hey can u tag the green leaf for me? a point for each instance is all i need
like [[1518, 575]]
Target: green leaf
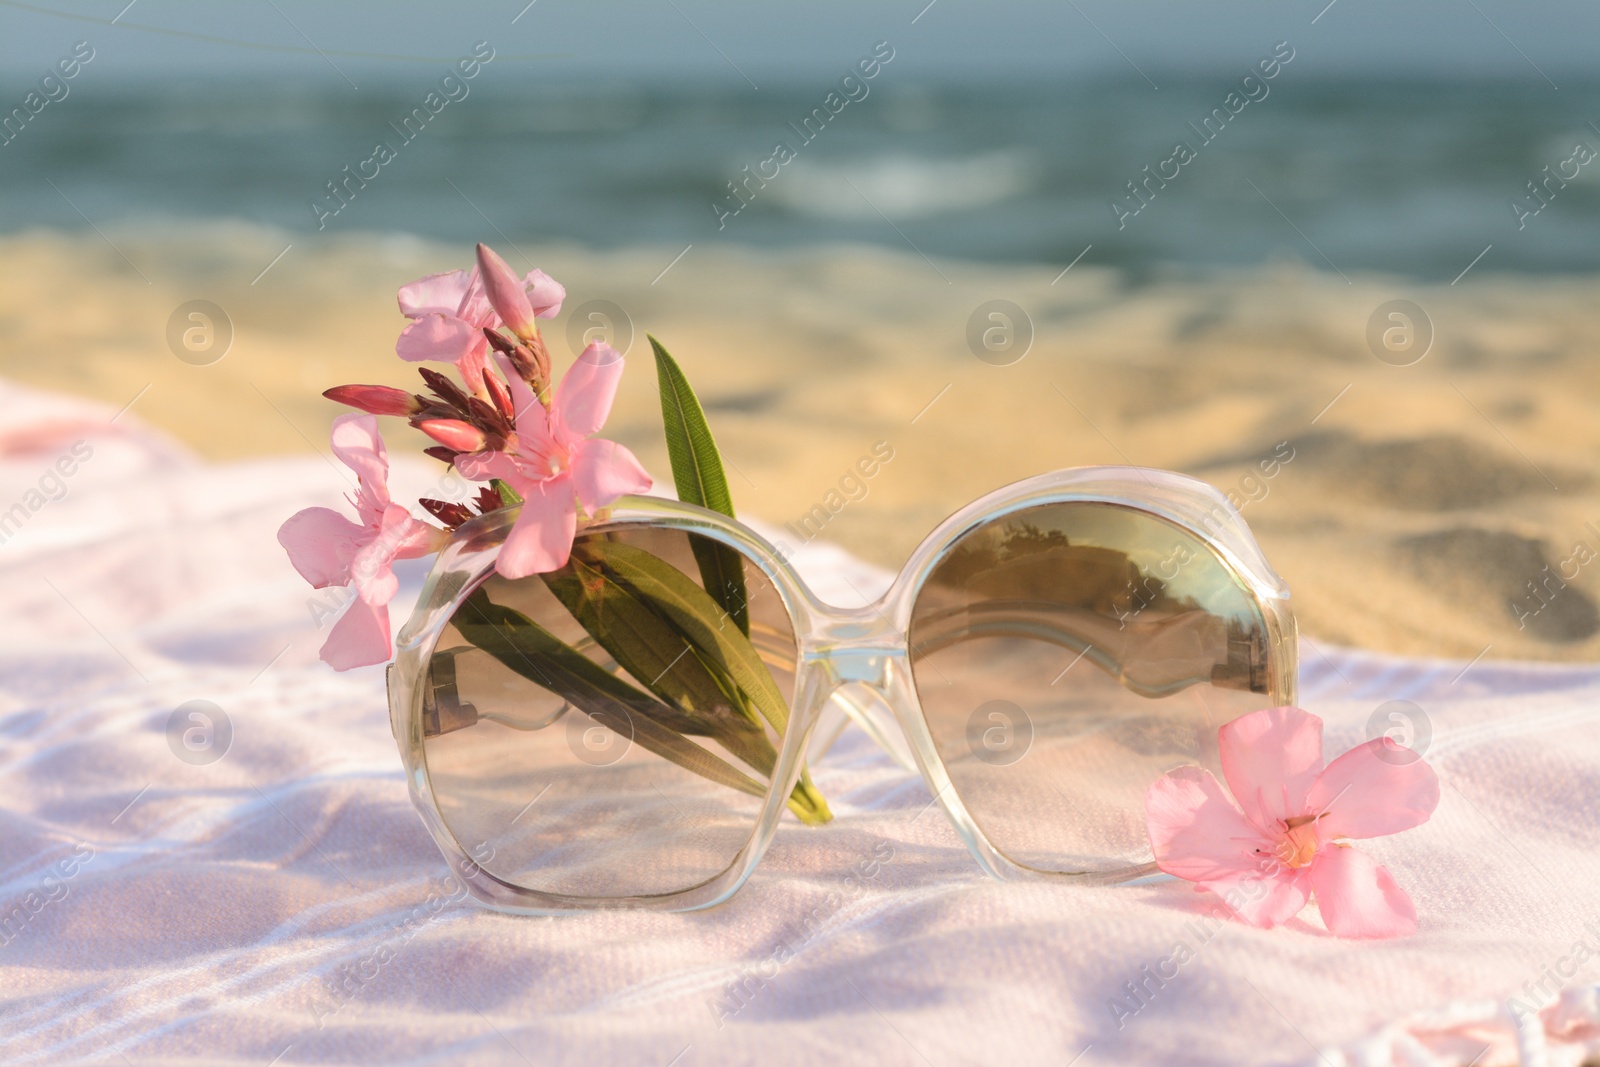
[[647, 645], [696, 466], [697, 473], [538, 655], [635, 595], [508, 496], [692, 611]]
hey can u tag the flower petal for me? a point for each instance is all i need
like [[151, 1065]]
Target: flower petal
[[360, 638], [541, 539], [437, 294], [399, 536], [409, 536], [441, 337], [1270, 758], [472, 364], [370, 574], [1265, 899], [531, 419], [1197, 833], [1358, 897], [359, 446], [583, 399], [475, 307], [481, 466], [604, 470], [544, 293], [321, 543], [1376, 788]]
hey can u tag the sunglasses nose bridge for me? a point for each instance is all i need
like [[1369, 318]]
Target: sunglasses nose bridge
[[869, 667], [858, 666], [856, 646]]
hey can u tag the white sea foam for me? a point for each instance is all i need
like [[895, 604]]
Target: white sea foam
[[905, 186]]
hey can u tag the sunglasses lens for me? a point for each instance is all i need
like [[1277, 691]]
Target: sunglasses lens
[[1068, 655], [584, 736]]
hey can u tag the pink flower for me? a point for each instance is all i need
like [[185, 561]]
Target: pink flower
[[328, 549], [1286, 838], [555, 465], [449, 313], [519, 301]]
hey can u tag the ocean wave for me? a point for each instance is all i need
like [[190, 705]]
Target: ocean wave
[[904, 186]]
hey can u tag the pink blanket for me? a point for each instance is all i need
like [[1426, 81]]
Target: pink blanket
[[252, 886]]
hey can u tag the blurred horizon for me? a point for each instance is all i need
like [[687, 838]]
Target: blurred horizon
[[1390, 141]]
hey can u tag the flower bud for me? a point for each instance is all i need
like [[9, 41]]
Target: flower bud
[[452, 515], [489, 499], [487, 415], [541, 360], [507, 293], [446, 390], [501, 397], [453, 433], [497, 342], [376, 399]]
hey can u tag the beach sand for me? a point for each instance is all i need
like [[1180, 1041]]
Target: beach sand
[[1419, 504]]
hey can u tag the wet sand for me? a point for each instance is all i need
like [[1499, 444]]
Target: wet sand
[[1440, 508]]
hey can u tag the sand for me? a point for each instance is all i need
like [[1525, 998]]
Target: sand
[[1417, 512]]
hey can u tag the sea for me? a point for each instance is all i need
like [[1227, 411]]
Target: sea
[[1417, 178]]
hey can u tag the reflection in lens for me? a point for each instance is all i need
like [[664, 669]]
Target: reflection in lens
[[582, 739], [1121, 641]]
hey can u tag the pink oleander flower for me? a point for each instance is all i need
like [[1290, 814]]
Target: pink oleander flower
[[555, 465], [1284, 836], [449, 313], [330, 550], [519, 301]]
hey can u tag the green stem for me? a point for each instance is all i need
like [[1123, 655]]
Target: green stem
[[808, 803]]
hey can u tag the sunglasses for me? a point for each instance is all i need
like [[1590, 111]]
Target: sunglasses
[[629, 731]]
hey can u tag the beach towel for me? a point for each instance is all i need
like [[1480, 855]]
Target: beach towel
[[207, 853]]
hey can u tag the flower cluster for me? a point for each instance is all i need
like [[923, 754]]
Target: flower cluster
[[505, 423]]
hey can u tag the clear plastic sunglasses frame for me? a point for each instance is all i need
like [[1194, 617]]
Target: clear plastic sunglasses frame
[[836, 646]]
